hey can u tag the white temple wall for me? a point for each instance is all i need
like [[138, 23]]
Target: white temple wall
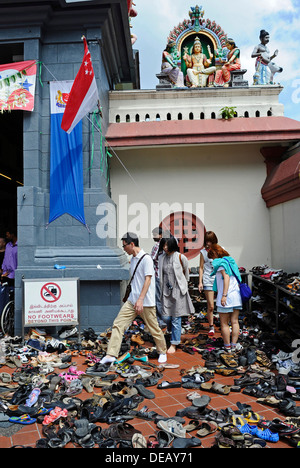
[[226, 179]]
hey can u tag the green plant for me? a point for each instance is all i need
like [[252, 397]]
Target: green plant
[[228, 113]]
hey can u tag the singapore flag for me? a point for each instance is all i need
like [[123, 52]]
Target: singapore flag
[[83, 96]]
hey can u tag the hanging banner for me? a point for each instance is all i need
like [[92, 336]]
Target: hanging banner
[[66, 162], [17, 86]]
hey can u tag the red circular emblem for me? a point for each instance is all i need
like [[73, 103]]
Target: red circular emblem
[[188, 229]]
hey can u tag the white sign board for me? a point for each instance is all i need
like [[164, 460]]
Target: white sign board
[[51, 302]]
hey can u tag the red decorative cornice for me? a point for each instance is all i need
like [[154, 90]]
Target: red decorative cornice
[[283, 182], [210, 131]]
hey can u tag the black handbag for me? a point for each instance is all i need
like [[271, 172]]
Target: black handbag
[[127, 293], [128, 289]]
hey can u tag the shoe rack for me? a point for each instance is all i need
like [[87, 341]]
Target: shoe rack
[[279, 309]]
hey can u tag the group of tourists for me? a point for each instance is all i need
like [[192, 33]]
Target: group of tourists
[[159, 292]]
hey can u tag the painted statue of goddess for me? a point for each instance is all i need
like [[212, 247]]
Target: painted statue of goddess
[[170, 68], [198, 65], [233, 62]]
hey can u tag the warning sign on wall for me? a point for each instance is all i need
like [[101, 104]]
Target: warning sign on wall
[[51, 302]]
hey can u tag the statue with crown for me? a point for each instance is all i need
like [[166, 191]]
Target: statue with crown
[[200, 55]]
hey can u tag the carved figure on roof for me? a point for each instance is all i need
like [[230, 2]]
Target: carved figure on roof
[[198, 65], [233, 62], [169, 65], [196, 14], [204, 55], [264, 67]]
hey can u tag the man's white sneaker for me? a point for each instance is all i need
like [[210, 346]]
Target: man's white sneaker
[[162, 358]]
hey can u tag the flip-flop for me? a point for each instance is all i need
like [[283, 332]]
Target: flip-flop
[[192, 426], [139, 441], [170, 366], [145, 392], [25, 419], [33, 397], [220, 389], [269, 400], [166, 384], [206, 428]]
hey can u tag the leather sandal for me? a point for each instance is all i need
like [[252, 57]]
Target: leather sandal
[[124, 431]]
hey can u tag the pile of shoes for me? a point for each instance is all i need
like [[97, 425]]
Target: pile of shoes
[[289, 281], [44, 386]]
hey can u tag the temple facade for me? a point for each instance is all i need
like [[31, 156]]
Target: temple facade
[[220, 155], [205, 150]]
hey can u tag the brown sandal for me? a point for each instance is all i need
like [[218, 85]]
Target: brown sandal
[[122, 431]]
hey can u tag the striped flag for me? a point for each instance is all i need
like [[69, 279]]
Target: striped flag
[[83, 96]]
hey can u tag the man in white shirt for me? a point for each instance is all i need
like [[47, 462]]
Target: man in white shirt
[[141, 301]]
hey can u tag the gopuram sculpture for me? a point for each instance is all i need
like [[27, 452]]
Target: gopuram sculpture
[[200, 55], [265, 68], [199, 67]]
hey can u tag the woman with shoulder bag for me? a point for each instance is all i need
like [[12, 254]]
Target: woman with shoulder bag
[[229, 301], [175, 298]]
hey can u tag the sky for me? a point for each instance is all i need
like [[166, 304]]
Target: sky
[[242, 21]]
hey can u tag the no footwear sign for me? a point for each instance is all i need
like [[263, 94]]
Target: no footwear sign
[[51, 302], [51, 292]]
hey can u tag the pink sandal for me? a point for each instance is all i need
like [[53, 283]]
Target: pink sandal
[[55, 414], [73, 374]]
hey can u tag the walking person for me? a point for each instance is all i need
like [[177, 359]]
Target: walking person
[[206, 281], [141, 301], [155, 253], [229, 302], [176, 301]]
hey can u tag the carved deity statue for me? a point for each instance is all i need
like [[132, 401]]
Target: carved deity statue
[[169, 66], [233, 62], [198, 65], [265, 68]]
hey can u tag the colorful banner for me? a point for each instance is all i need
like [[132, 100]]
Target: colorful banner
[[17, 86], [66, 165]]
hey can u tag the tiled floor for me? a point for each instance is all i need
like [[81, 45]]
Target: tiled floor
[[166, 402]]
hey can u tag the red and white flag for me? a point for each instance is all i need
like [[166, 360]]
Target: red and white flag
[[17, 86], [83, 96]]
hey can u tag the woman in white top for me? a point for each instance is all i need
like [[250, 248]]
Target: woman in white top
[[206, 281], [229, 301]]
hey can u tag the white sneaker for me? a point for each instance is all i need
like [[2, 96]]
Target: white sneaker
[[162, 358], [65, 334]]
